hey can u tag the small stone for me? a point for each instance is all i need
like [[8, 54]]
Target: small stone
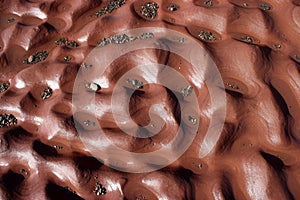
[[136, 84], [149, 9], [186, 91], [232, 86], [277, 46], [146, 36], [30, 59], [7, 120], [10, 20], [86, 65], [265, 6], [181, 39], [104, 42], [47, 93], [24, 171], [247, 39], [132, 38], [67, 58], [208, 3], [89, 123], [100, 12], [72, 44], [99, 189], [36, 57], [297, 57], [4, 87], [245, 4], [173, 7], [193, 120], [61, 41], [93, 86], [200, 166], [70, 190], [206, 35], [58, 147]]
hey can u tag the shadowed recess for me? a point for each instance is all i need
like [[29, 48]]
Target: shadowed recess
[[55, 192], [49, 27], [12, 181], [236, 95], [88, 163], [44, 150], [17, 134], [266, 52], [279, 167], [280, 102], [273, 161], [226, 188], [176, 104], [228, 136]]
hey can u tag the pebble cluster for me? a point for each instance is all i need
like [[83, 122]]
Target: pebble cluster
[[7, 120]]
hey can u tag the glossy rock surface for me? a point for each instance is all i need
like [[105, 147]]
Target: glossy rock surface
[[255, 46]]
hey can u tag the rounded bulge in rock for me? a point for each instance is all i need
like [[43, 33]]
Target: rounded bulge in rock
[[136, 191], [172, 12], [293, 180], [154, 186], [191, 158], [249, 132], [288, 89], [64, 107], [8, 19], [266, 26], [245, 161], [152, 117], [67, 79], [16, 53], [249, 26], [254, 172], [187, 80], [102, 136], [105, 185], [210, 187], [203, 25], [29, 20], [240, 68], [285, 79], [283, 13], [154, 120], [61, 19]]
